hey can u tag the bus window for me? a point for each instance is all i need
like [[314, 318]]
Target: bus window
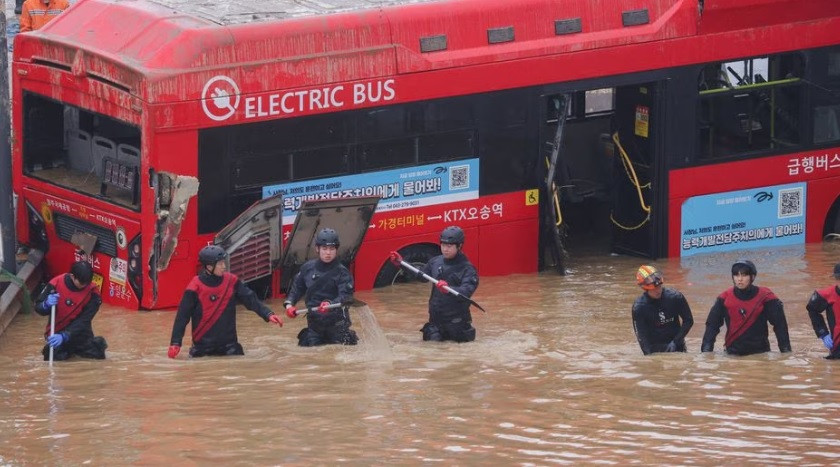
[[387, 154], [599, 101], [825, 95], [446, 146], [750, 106], [81, 150]]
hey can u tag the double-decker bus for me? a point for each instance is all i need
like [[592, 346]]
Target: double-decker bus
[[145, 129]]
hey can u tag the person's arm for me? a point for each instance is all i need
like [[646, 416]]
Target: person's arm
[[776, 316], [640, 327], [185, 311], [41, 306], [297, 289], [25, 18], [247, 297], [713, 323], [816, 305], [345, 285], [83, 321], [469, 282], [684, 311]]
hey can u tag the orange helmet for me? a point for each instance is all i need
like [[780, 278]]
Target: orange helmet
[[648, 277]]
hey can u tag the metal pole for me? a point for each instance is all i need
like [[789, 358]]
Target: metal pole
[[7, 216]]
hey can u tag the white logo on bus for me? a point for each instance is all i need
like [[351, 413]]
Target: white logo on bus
[[224, 95]]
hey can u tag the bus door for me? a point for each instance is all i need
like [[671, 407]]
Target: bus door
[[637, 160], [553, 236], [349, 217]]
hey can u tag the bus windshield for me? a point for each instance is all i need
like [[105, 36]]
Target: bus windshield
[[81, 150]]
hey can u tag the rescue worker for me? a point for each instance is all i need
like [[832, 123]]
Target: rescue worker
[[36, 13], [746, 309], [828, 300], [210, 303], [661, 315], [449, 316], [76, 303], [320, 283]]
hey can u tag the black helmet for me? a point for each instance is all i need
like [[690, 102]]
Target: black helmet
[[327, 237], [211, 254], [743, 264], [82, 271], [452, 235]]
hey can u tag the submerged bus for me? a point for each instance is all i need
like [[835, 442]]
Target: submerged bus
[[146, 129]]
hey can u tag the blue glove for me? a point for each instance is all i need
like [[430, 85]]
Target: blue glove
[[671, 347], [56, 339], [51, 300], [827, 342]]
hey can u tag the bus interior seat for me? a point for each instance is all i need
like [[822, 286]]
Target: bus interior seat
[[127, 153], [102, 148], [826, 124], [80, 153]]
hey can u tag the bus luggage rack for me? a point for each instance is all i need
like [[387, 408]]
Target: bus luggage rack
[[66, 226], [252, 260]]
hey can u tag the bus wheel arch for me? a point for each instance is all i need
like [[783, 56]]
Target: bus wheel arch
[[832, 220], [417, 254]]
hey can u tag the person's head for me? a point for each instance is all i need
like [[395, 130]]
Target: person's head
[[743, 273], [326, 242], [451, 240], [650, 280], [212, 258], [837, 271], [81, 273]]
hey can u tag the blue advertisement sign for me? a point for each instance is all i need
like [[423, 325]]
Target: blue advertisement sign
[[408, 187], [754, 218]]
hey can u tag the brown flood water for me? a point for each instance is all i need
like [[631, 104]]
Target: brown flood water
[[555, 377]]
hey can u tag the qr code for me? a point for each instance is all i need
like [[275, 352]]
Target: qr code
[[459, 177], [790, 202]]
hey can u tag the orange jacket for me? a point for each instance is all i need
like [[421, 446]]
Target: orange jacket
[[36, 13]]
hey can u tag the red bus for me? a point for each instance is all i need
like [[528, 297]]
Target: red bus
[[145, 129]]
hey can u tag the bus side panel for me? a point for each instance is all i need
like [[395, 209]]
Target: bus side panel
[[821, 196], [509, 248]]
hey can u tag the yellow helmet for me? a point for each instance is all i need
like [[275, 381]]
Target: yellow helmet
[[648, 277]]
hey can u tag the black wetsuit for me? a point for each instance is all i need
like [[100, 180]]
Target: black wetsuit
[[219, 338], [827, 300], [79, 332], [319, 282], [449, 316], [749, 338], [658, 322]]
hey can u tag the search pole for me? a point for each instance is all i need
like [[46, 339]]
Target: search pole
[[7, 212]]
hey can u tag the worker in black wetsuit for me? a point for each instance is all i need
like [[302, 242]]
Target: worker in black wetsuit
[[827, 300], [746, 309], [661, 315], [449, 316], [76, 301], [320, 283], [210, 303]]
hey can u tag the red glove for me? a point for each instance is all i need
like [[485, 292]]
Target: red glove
[[396, 259], [322, 308], [276, 320], [291, 311], [174, 350], [440, 286]]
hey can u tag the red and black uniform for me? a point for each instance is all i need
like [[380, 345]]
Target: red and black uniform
[[74, 314], [210, 303], [828, 300], [658, 322], [746, 314], [449, 316]]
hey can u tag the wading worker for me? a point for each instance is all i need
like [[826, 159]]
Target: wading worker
[[449, 316], [320, 283], [746, 309], [37, 13], [76, 303], [661, 315], [827, 300], [210, 303]]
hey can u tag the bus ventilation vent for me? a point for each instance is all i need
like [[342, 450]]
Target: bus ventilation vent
[[499, 35], [52, 64], [66, 226], [252, 260], [567, 26], [433, 43], [635, 17]]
